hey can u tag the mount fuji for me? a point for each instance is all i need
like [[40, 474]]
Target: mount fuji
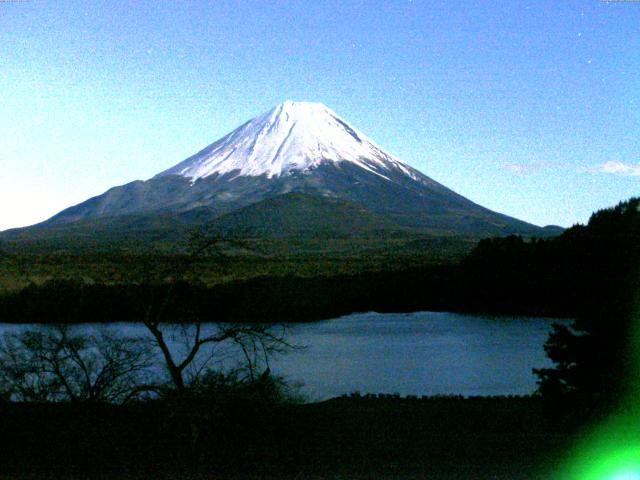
[[298, 169]]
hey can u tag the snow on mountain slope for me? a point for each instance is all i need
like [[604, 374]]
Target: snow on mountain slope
[[293, 136]]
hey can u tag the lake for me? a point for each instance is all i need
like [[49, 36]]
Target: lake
[[420, 353]]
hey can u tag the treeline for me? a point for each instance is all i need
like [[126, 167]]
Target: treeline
[[563, 276], [584, 267], [262, 299], [289, 298], [595, 361]]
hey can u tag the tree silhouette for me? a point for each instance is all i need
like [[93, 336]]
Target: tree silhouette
[[53, 364], [594, 359], [255, 342]]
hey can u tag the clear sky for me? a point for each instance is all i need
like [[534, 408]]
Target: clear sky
[[530, 108]]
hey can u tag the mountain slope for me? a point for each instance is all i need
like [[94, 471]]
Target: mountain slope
[[301, 215], [295, 148]]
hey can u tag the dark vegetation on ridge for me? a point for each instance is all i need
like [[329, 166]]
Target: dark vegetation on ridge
[[596, 360], [558, 276]]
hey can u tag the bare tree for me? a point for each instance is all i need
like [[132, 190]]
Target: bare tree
[[53, 364], [246, 348], [200, 350]]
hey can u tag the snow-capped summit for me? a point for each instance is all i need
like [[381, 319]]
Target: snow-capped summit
[[293, 136]]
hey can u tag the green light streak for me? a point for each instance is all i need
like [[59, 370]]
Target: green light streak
[[611, 451], [626, 475], [610, 463]]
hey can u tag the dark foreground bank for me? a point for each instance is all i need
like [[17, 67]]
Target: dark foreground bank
[[356, 437]]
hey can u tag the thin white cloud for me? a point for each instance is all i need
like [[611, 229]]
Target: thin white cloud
[[620, 168], [518, 168], [528, 168]]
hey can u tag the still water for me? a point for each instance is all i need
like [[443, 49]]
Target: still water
[[421, 353]]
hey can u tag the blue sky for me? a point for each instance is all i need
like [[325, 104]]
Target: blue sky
[[528, 108]]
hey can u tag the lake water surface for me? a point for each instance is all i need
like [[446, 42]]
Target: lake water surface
[[421, 353]]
